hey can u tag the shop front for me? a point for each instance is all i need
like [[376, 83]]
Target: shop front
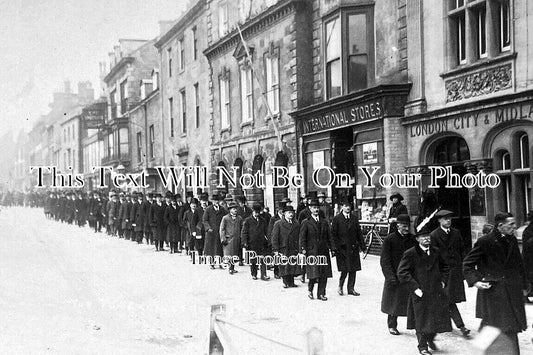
[[481, 138], [340, 137]]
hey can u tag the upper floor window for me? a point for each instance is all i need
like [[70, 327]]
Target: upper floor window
[[171, 115], [247, 94], [181, 55], [139, 147], [223, 82], [478, 29], [123, 96], [222, 19], [194, 44], [169, 58], [272, 81], [183, 100], [113, 102], [152, 140], [196, 106], [349, 58]]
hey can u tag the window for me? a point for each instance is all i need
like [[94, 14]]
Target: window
[[247, 94], [113, 101], [272, 82], [194, 44], [155, 79], [110, 145], [123, 96], [224, 102], [139, 147], [183, 111], [169, 57], [123, 141], [181, 55], [222, 19], [171, 115], [196, 106], [152, 140], [524, 151], [349, 58], [489, 33]]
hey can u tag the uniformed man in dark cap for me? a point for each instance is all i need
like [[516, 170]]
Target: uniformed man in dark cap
[[424, 273], [396, 209], [395, 295], [450, 244]]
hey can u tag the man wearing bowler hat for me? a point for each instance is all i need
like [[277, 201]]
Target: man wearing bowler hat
[[315, 241], [396, 209], [450, 244], [230, 234], [347, 241], [424, 273], [211, 219], [395, 296], [285, 242], [157, 221], [254, 238]]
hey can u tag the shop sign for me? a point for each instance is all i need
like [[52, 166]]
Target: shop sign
[[342, 117], [480, 118]]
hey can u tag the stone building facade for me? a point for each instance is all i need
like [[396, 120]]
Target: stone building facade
[[250, 100]]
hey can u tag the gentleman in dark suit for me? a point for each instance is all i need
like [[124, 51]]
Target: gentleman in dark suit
[[495, 268], [211, 220], [347, 242], [157, 221], [395, 296], [146, 217], [396, 209], [315, 241], [424, 273], [450, 243], [253, 235], [137, 218], [527, 251], [285, 242]]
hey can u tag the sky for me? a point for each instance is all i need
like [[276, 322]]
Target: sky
[[47, 42]]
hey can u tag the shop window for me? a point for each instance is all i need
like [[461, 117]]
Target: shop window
[[348, 43], [478, 29]]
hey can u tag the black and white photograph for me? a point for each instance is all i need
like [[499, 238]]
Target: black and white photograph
[[223, 177]]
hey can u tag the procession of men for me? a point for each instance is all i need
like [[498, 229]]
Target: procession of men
[[424, 268]]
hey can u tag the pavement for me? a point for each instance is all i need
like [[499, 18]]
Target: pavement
[[66, 290]]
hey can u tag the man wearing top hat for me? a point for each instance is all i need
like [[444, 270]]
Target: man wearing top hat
[[450, 244], [211, 220], [347, 241], [147, 204], [254, 238], [172, 223], [230, 234], [285, 242], [395, 295], [136, 218], [494, 266], [424, 273], [96, 212], [396, 209], [169, 196], [315, 241], [193, 220], [81, 210], [157, 221]]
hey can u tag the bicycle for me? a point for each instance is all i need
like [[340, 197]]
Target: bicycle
[[372, 236]]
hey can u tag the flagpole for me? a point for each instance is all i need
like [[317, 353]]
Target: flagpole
[[263, 91]]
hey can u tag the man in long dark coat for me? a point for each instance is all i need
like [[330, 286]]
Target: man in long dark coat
[[81, 210], [395, 295], [157, 221], [425, 273], [527, 251], [112, 214], [450, 244], [137, 218], [276, 217], [97, 212], [211, 219], [230, 234], [193, 218], [147, 229], [70, 208], [125, 213], [253, 235], [396, 209], [347, 242], [172, 221], [495, 268], [315, 241], [285, 242]]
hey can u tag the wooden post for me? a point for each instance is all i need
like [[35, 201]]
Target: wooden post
[[215, 346], [314, 342]]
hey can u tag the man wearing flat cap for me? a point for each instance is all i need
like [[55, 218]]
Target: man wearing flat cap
[[450, 244], [395, 296], [211, 219], [315, 241], [396, 209], [347, 241], [424, 273]]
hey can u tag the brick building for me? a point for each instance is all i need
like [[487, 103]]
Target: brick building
[[250, 100], [360, 87], [184, 90]]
